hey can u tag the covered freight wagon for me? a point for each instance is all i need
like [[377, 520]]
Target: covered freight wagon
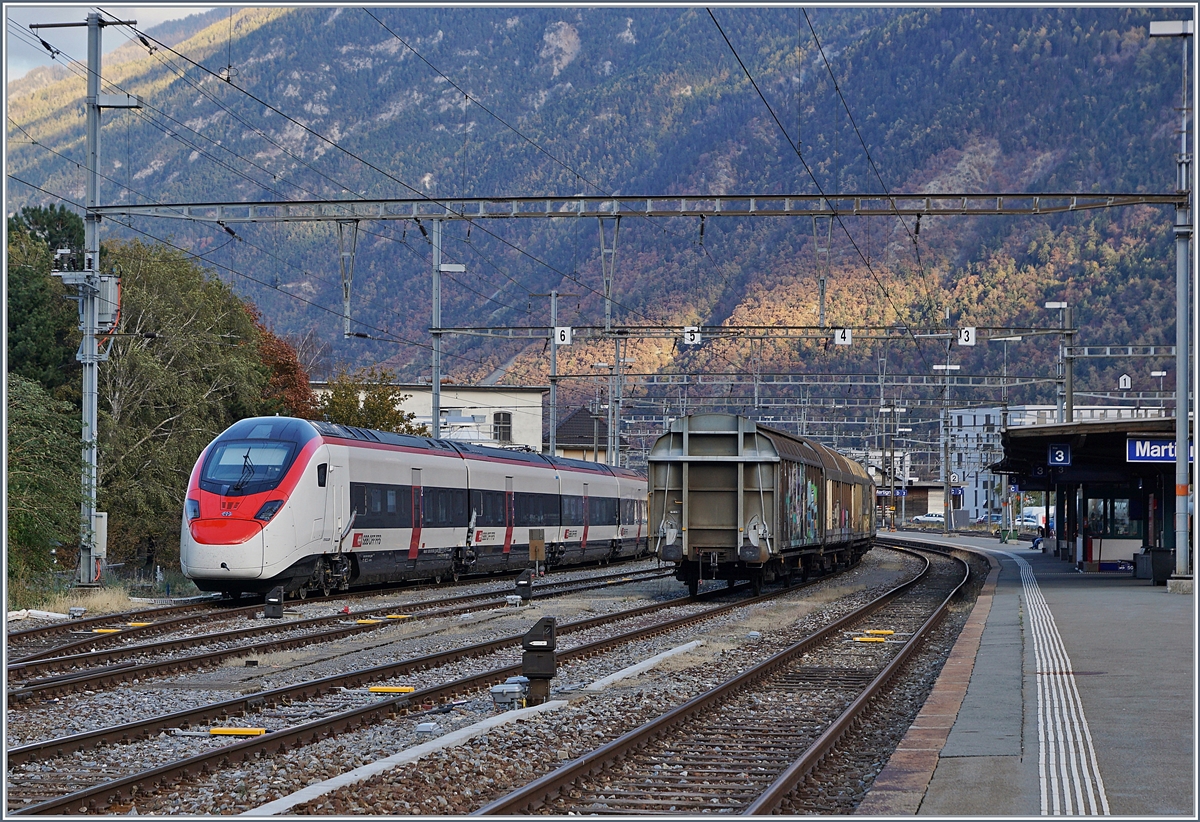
[[730, 499]]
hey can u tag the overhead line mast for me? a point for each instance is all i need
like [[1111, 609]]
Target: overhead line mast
[[97, 298]]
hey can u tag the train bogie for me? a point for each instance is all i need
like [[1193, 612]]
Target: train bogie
[[731, 500], [317, 507]]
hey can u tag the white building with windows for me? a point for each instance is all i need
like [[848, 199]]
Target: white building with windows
[[503, 416], [975, 444]]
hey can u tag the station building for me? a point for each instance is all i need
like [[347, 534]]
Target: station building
[[975, 444], [501, 416], [1111, 487]]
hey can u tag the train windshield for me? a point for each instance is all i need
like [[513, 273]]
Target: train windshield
[[253, 456]]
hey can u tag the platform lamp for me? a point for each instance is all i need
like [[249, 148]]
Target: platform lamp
[[1064, 375], [904, 496], [1162, 401], [1004, 377], [1184, 30], [947, 503]]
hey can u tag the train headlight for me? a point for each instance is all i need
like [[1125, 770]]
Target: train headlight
[[192, 507], [269, 509]]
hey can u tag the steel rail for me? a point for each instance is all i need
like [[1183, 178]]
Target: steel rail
[[110, 676], [530, 797], [236, 707], [98, 797], [127, 631], [770, 799], [57, 663]]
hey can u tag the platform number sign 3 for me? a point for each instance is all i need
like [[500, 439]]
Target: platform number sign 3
[[1059, 454], [562, 334], [842, 336], [966, 335]]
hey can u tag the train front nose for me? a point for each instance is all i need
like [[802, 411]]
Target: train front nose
[[220, 548]]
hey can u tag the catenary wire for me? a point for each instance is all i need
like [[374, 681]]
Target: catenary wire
[[883, 289], [383, 172]]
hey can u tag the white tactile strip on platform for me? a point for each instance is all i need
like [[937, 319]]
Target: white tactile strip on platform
[[1067, 767]]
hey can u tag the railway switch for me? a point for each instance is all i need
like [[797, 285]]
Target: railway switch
[[510, 694], [273, 606]]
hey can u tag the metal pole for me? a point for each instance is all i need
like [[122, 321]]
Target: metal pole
[[892, 470], [89, 354], [1183, 29], [553, 373], [946, 506], [1069, 366], [435, 426], [610, 447], [1062, 366], [1183, 236]]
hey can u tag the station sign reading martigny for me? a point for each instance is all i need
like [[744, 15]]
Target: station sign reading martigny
[[1140, 449]]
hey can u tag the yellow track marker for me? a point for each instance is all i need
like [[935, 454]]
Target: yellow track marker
[[368, 621], [399, 616], [878, 632], [391, 689], [869, 639], [138, 624], [237, 731], [106, 630]]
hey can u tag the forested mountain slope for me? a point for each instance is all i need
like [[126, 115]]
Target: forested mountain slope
[[488, 102]]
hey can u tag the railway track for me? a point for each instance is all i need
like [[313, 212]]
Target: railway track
[[85, 673], [295, 716], [96, 631], [745, 745]]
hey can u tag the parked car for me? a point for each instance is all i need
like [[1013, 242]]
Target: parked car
[[932, 516], [1026, 521], [993, 519]]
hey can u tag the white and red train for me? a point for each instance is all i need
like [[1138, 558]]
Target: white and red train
[[318, 507]]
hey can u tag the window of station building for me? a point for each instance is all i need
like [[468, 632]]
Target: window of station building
[[1114, 517], [502, 426]]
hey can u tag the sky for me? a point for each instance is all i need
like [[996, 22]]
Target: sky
[[21, 57]]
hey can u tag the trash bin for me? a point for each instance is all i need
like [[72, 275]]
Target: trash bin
[[1142, 569], [1162, 564]]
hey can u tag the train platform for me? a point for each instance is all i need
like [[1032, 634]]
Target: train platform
[[1066, 694]]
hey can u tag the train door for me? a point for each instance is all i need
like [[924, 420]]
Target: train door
[[508, 517], [337, 493], [414, 542]]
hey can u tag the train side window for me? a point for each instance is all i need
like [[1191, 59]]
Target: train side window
[[322, 474]]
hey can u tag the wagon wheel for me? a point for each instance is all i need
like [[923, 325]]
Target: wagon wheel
[[302, 592]]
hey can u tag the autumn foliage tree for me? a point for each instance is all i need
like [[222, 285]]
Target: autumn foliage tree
[[288, 391]]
